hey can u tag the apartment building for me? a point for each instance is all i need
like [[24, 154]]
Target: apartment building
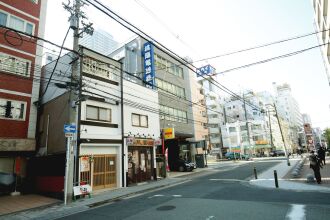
[[288, 109], [215, 112], [146, 64], [322, 24], [20, 63]]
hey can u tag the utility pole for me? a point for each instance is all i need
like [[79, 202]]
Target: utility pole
[[72, 157], [279, 124], [270, 130], [246, 120]]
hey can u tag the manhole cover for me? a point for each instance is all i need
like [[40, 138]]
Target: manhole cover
[[166, 208]]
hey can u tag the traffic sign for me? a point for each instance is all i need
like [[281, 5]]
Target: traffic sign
[[69, 128], [69, 135]]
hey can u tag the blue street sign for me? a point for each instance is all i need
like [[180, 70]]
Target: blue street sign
[[205, 70], [69, 129]]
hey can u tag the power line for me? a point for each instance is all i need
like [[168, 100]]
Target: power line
[[271, 59], [168, 51], [59, 55], [35, 37], [32, 42], [176, 36], [262, 45]]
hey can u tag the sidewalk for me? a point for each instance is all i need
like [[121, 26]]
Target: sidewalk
[[10, 204], [285, 181], [325, 173]]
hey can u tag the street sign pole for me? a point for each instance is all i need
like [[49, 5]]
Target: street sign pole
[[67, 164], [69, 131]]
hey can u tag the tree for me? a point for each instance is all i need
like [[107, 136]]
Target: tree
[[327, 136]]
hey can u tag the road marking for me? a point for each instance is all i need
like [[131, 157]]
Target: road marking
[[157, 195], [177, 195], [210, 217], [230, 180], [296, 212]]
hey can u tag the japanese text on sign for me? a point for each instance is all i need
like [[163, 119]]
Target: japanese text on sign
[[149, 65]]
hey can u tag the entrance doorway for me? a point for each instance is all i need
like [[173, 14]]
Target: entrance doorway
[[139, 164], [104, 171]]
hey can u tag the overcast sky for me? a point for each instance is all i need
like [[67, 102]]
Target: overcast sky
[[203, 29]]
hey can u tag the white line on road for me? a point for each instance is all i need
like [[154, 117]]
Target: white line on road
[[177, 195], [296, 212], [230, 180], [210, 217], [158, 195]]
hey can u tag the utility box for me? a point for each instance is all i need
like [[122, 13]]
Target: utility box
[[200, 160]]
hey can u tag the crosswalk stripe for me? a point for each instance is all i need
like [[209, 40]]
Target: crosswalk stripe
[[296, 212]]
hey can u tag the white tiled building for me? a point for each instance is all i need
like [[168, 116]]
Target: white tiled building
[[322, 22]]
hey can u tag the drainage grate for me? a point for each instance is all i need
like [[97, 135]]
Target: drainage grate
[[166, 208]]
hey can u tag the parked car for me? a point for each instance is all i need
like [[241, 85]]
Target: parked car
[[232, 156], [182, 165], [276, 153]]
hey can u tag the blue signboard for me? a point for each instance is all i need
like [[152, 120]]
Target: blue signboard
[[149, 65], [69, 128], [205, 70]]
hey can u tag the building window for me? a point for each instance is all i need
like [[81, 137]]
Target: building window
[[139, 120], [3, 19], [243, 128], [16, 23], [169, 87], [15, 65], [98, 114], [232, 129], [99, 68], [172, 114], [10, 109], [256, 127], [163, 64]]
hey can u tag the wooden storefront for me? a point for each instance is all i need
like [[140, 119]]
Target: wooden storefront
[[140, 160], [99, 171]]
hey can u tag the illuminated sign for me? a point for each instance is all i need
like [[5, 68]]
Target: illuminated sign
[[205, 70], [168, 133], [261, 142], [149, 65]]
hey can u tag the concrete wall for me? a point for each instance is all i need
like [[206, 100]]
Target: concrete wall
[[146, 98], [58, 112]]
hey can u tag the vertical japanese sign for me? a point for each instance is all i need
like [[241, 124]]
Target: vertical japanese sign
[[149, 65]]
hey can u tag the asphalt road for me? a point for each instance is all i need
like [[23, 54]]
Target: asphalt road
[[222, 193]]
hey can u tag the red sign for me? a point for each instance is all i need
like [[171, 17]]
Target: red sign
[[18, 165]]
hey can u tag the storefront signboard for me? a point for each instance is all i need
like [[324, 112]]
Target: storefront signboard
[[130, 140], [82, 190], [168, 133], [142, 142], [158, 142], [84, 164], [261, 142]]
